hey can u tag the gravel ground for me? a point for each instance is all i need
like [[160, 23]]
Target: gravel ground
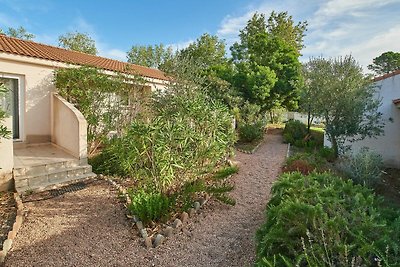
[[8, 212], [88, 227]]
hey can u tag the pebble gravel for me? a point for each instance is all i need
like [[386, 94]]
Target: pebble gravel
[[89, 227]]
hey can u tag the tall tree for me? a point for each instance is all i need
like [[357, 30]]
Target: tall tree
[[77, 41], [385, 63], [208, 51], [20, 33], [268, 55], [282, 25], [157, 56], [345, 98]]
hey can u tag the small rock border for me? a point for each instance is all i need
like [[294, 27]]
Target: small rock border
[[7, 244], [177, 225]]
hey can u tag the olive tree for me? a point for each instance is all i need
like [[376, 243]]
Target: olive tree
[[345, 98]]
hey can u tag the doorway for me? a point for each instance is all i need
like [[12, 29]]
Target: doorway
[[11, 103]]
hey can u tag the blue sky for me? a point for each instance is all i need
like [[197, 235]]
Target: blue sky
[[364, 28]]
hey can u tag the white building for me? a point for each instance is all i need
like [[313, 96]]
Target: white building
[[388, 144]]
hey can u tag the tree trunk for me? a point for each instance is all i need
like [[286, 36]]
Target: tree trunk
[[335, 147]]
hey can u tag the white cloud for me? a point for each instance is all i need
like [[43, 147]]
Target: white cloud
[[180, 45], [113, 53], [364, 28]]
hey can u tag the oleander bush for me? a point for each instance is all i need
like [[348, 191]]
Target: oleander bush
[[249, 132], [175, 147], [324, 220]]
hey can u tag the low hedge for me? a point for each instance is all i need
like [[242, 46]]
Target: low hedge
[[323, 220]]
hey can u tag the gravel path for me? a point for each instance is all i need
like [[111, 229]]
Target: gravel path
[[88, 227]]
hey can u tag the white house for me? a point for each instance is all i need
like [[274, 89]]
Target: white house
[[48, 143], [387, 145]]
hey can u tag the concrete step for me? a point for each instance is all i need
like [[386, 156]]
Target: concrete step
[[47, 167], [52, 185], [50, 174]]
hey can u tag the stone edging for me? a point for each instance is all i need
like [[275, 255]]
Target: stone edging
[[178, 225], [7, 244], [251, 151]]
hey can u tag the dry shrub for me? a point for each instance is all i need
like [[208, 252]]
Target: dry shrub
[[299, 165]]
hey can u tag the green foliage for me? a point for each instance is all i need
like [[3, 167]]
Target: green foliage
[[225, 172], [188, 134], [387, 62], [77, 41], [363, 168], [109, 103], [322, 220], [208, 51], [20, 33], [149, 206], [294, 131], [327, 153], [345, 98], [276, 115], [267, 61], [4, 132], [157, 56], [251, 132]]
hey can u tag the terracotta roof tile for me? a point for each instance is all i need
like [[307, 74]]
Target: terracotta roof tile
[[31, 49], [388, 75]]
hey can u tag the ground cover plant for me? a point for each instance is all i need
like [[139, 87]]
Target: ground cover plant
[[324, 220]]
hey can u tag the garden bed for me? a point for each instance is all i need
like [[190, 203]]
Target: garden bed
[[248, 147], [389, 187], [8, 212]]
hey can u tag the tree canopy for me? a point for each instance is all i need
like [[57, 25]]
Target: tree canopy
[[208, 51], [267, 60], [345, 98], [20, 33], [387, 62], [77, 41], [152, 56]]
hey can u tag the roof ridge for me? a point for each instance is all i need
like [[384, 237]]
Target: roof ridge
[[54, 56], [387, 75]]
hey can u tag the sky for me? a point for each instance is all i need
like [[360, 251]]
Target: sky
[[362, 28]]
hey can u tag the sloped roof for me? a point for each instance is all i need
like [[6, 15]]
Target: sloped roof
[[387, 75], [36, 50]]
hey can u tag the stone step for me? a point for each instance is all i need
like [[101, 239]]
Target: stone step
[[48, 167], [50, 185], [53, 173], [52, 177]]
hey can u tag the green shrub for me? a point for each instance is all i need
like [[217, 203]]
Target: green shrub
[[251, 131], [295, 131], [323, 220], [149, 206], [327, 153], [188, 135], [364, 167]]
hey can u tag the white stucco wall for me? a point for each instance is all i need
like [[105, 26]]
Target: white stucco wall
[[35, 96], [387, 145], [37, 76]]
